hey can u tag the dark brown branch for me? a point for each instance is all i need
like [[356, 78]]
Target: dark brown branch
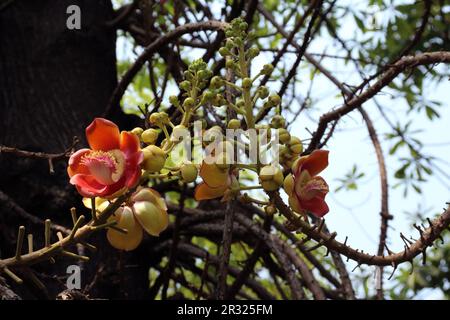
[[150, 50], [385, 215], [227, 238], [357, 101], [302, 50], [296, 290], [429, 235], [50, 157]]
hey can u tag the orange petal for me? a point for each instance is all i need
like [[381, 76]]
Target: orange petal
[[103, 135], [205, 192], [129, 143], [315, 162], [213, 176]]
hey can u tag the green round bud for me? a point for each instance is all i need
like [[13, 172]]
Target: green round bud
[[284, 136], [263, 92], [188, 172], [240, 103], [202, 74], [154, 158], [230, 64], [174, 100], [243, 26], [271, 178], [277, 122], [223, 51], [208, 95], [253, 52], [149, 136], [274, 99], [185, 85], [229, 44], [216, 82], [188, 75], [267, 69], [188, 102], [246, 83], [137, 131], [295, 145], [234, 124]]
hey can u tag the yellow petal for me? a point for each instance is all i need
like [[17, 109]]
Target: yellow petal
[[98, 201], [151, 218], [294, 204], [125, 220], [289, 184]]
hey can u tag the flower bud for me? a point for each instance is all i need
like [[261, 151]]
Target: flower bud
[[263, 92], [149, 136], [125, 220], [288, 184], [216, 82], [230, 64], [223, 51], [188, 103], [234, 124], [137, 131], [150, 211], [246, 83], [277, 122], [253, 52], [159, 119], [243, 26], [174, 100], [185, 85], [188, 172], [271, 178], [240, 103], [154, 158], [208, 95], [274, 99], [295, 145], [203, 74], [267, 69], [284, 136], [188, 75], [229, 44]]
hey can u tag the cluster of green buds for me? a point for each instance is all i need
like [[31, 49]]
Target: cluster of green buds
[[196, 79]]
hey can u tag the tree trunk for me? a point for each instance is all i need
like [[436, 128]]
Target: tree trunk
[[53, 82]]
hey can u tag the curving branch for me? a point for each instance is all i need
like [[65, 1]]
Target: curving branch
[[77, 235], [127, 78], [427, 237], [50, 157], [357, 101]]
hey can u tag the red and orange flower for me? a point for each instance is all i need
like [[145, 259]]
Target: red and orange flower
[[111, 165], [306, 190]]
